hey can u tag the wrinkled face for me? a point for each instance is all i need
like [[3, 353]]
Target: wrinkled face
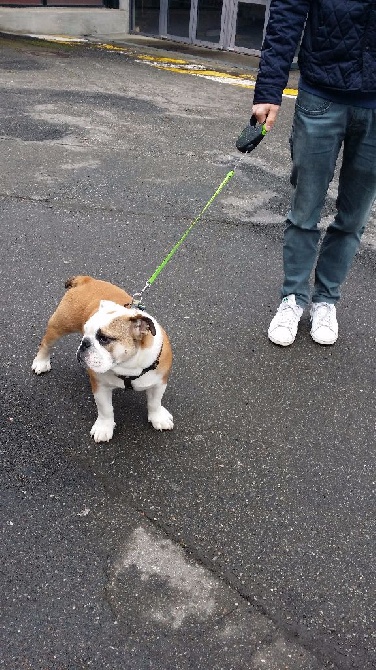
[[112, 336]]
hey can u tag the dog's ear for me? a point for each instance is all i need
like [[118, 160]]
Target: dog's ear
[[142, 325]]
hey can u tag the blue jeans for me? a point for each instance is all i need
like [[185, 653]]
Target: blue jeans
[[320, 128]]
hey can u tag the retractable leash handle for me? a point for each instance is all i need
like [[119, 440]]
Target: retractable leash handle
[[251, 136]]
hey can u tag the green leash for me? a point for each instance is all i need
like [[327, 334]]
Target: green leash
[[247, 141], [136, 300]]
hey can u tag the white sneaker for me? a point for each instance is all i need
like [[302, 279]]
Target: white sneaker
[[284, 325], [324, 329]]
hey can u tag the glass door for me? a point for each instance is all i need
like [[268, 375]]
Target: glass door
[[236, 25], [208, 21], [146, 17], [178, 18], [193, 21], [246, 25], [249, 25]]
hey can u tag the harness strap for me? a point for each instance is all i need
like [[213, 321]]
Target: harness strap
[[128, 379]]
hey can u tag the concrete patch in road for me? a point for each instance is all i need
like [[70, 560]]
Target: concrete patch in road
[[185, 590], [156, 587]]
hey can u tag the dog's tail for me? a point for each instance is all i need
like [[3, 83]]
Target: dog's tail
[[77, 281]]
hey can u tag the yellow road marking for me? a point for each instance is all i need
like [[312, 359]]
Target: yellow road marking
[[176, 65], [241, 80]]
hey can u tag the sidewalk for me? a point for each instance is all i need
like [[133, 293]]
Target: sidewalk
[[223, 61]]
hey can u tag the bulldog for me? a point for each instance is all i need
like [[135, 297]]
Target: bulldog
[[120, 346]]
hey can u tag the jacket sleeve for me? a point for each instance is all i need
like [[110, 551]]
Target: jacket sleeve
[[283, 33]]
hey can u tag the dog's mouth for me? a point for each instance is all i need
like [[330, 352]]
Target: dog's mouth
[[88, 357], [81, 357], [83, 350]]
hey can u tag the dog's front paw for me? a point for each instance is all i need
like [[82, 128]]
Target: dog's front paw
[[102, 430], [41, 365], [161, 419]]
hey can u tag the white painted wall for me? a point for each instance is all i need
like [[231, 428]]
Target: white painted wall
[[75, 22]]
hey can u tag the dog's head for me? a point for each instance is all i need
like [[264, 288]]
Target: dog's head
[[113, 335]]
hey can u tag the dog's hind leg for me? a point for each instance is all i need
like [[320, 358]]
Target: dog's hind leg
[[57, 327]]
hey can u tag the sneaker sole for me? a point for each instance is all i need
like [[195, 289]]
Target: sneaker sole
[[280, 344], [318, 341]]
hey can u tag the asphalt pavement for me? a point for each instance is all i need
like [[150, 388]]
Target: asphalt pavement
[[244, 538]]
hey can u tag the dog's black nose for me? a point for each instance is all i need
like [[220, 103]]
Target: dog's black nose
[[85, 344]]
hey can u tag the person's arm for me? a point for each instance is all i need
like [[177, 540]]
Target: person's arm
[[283, 33]]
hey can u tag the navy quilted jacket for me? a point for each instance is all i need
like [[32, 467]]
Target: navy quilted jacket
[[338, 49]]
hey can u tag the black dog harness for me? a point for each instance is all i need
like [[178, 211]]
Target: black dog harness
[[128, 379]]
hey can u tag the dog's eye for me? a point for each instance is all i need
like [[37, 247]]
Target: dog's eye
[[103, 339]]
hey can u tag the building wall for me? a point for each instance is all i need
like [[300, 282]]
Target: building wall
[[66, 21]]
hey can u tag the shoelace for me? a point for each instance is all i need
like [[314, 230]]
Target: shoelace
[[323, 315], [288, 313]]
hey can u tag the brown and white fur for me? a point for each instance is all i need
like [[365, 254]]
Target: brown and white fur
[[117, 340]]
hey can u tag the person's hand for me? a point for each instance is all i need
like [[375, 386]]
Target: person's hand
[[266, 113]]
